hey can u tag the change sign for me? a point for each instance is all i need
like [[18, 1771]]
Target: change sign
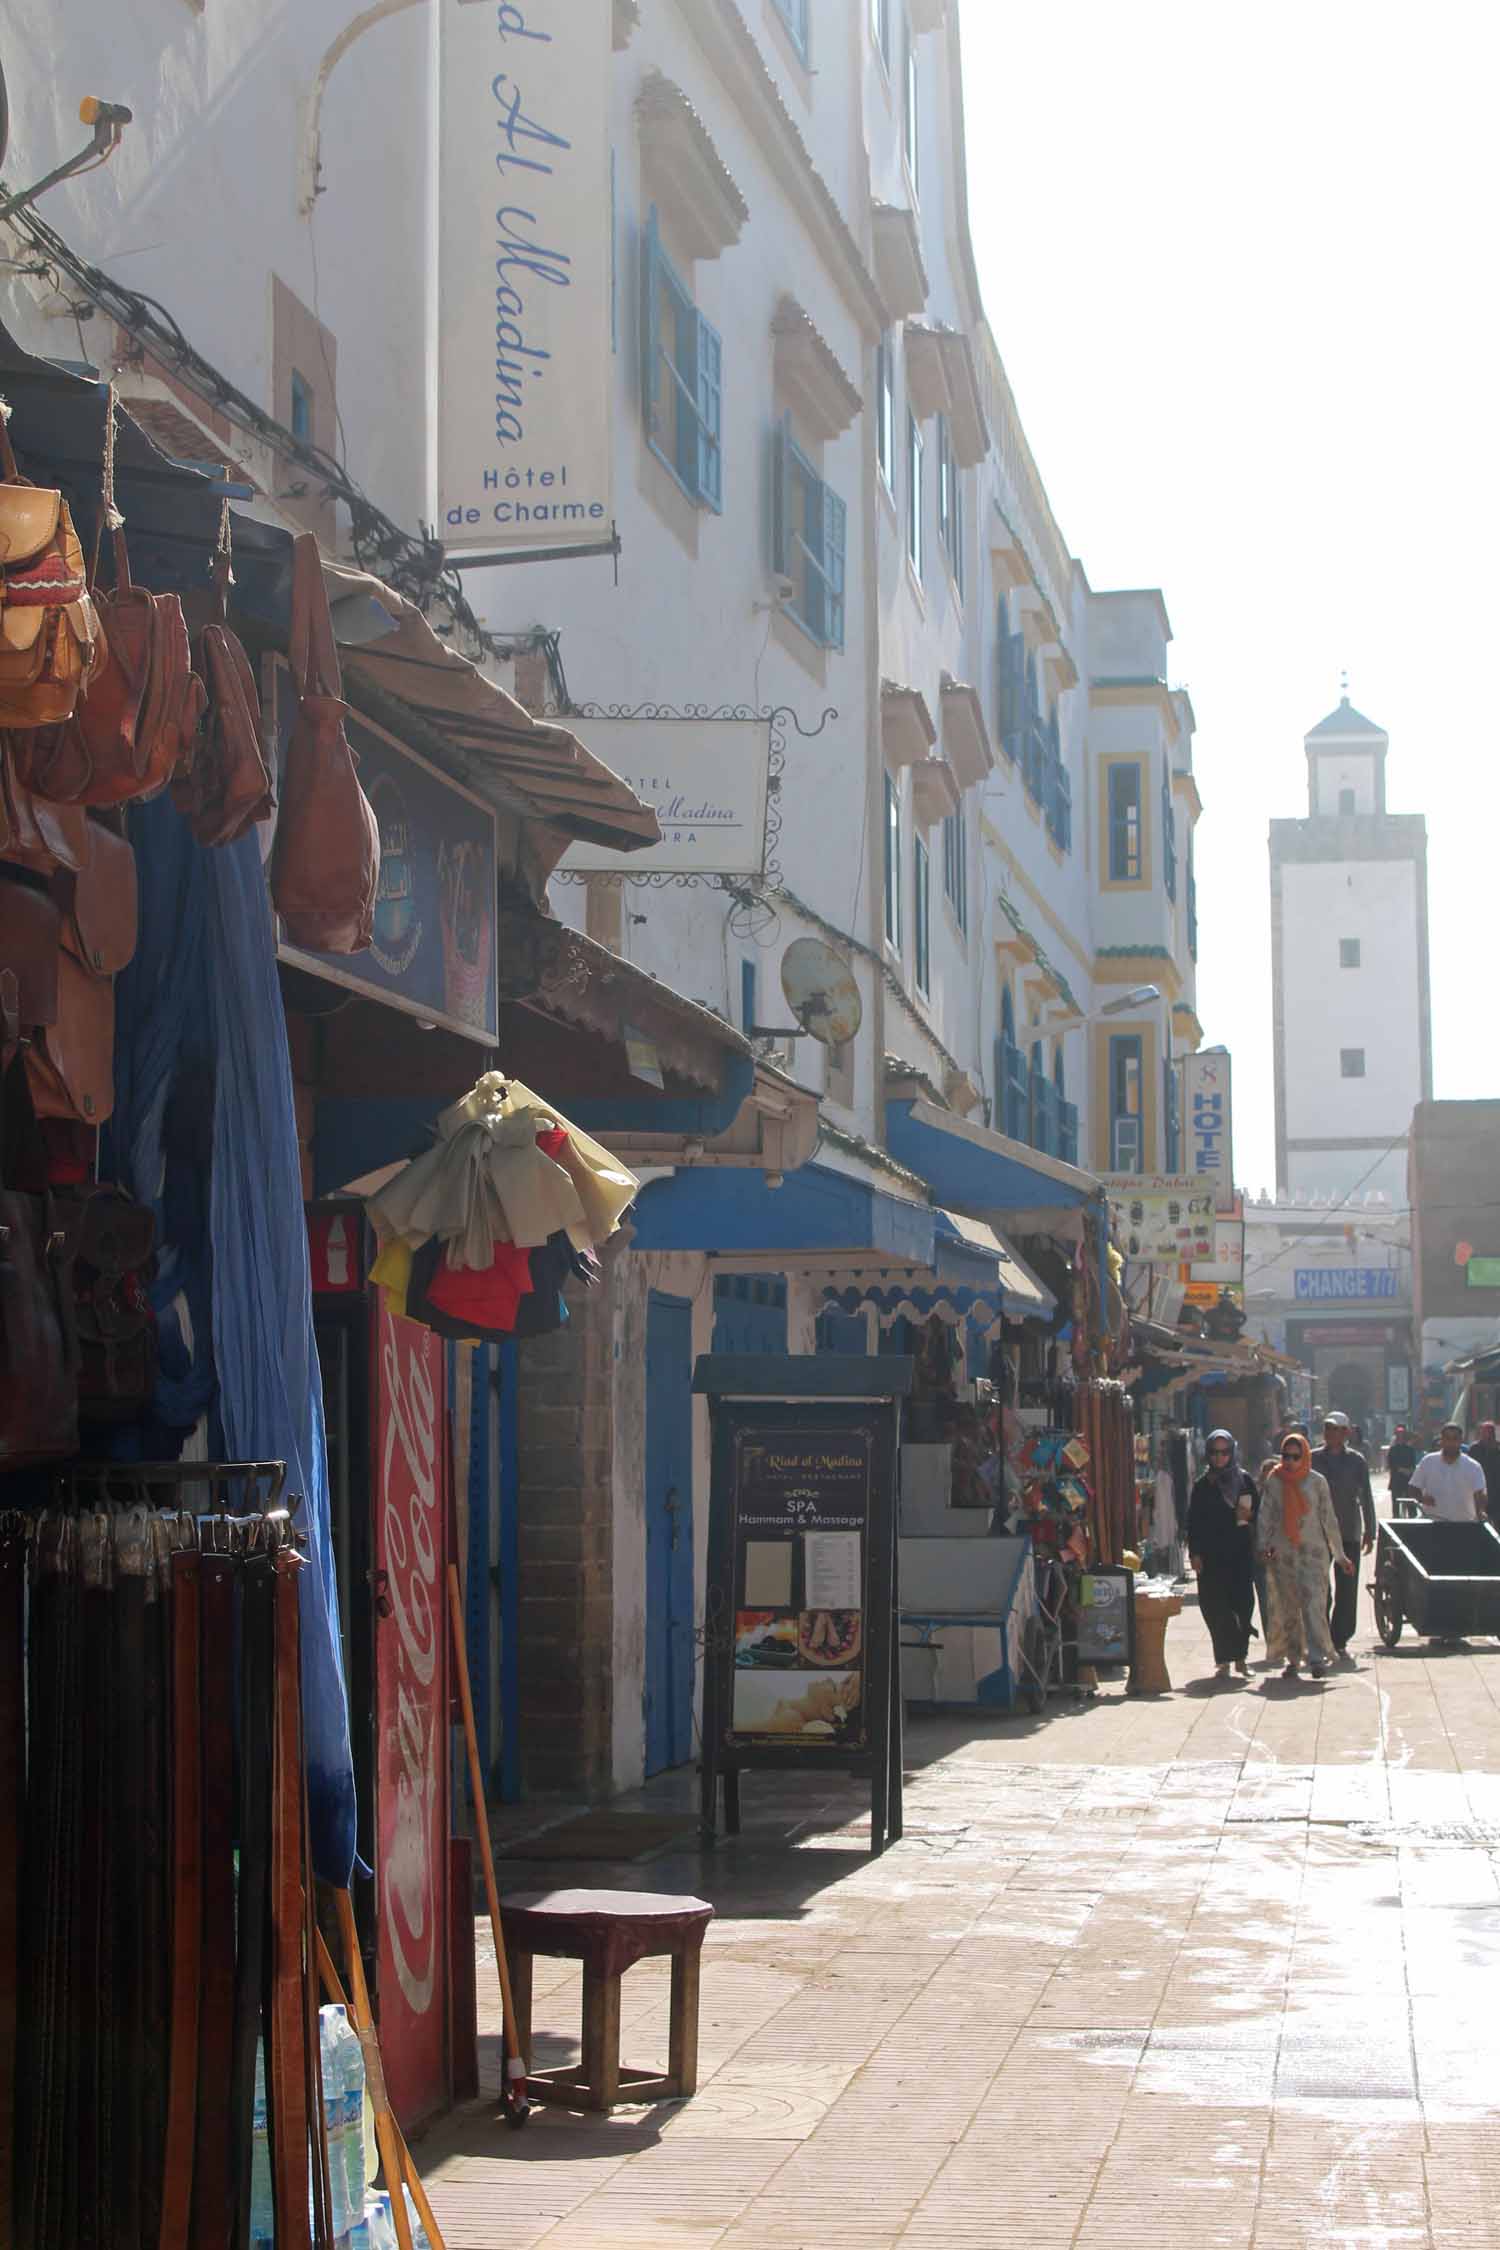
[[524, 362]]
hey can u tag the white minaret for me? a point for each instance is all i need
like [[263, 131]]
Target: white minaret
[[1353, 1013]]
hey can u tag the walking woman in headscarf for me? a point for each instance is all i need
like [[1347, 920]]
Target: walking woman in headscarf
[[1297, 1534], [1221, 1549]]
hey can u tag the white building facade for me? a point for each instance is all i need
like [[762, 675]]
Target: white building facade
[[827, 511]]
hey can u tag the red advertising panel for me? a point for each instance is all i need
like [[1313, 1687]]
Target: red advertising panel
[[411, 1713]]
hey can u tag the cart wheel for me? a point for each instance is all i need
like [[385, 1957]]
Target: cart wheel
[[1388, 1619]]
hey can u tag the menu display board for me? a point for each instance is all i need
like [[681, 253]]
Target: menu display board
[[1106, 1616], [801, 1596]]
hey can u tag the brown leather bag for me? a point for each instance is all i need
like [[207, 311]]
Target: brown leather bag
[[225, 785], [114, 1257], [38, 1343], [175, 697], [50, 639], [94, 759], [30, 942], [71, 1061], [325, 864], [33, 831]]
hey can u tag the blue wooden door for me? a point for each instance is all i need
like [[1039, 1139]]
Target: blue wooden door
[[669, 1531], [749, 1312]]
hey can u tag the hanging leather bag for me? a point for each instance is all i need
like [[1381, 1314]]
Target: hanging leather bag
[[34, 832], [224, 784], [50, 640], [114, 1258], [30, 943], [70, 1063], [325, 864], [38, 1342]]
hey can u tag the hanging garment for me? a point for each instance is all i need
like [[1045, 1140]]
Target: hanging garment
[[486, 1180], [462, 1301]]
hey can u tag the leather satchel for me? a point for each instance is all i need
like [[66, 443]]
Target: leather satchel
[[30, 941], [114, 1257], [325, 864], [34, 832], [71, 1061], [98, 758], [50, 638], [38, 1342], [225, 785]]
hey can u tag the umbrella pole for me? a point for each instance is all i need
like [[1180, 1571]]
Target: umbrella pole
[[515, 2059]]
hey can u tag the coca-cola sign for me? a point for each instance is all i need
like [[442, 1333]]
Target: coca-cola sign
[[411, 1711]]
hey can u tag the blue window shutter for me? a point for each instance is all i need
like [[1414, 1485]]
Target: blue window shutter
[[781, 499], [650, 327], [710, 403], [834, 522]]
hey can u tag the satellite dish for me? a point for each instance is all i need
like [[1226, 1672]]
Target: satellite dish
[[821, 992]]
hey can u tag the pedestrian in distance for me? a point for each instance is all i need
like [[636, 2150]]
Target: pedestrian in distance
[[1221, 1550], [1486, 1451], [1449, 1484], [1298, 1535], [1348, 1478], [1400, 1460]]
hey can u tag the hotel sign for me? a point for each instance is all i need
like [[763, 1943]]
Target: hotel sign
[[706, 780], [523, 322], [1207, 1124]]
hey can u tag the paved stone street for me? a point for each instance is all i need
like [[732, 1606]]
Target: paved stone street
[[1219, 1969]]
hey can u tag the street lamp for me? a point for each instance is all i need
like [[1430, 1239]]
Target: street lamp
[[1139, 996]]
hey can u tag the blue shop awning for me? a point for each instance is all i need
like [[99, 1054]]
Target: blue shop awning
[[818, 1218], [977, 1277], [972, 1168]]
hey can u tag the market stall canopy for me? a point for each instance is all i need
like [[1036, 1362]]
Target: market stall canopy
[[387, 645], [1173, 1359], [977, 1276], [628, 1057], [776, 1130], [819, 1221], [976, 1169]]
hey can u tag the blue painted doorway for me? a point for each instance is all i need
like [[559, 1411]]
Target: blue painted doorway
[[749, 1312], [669, 1531]]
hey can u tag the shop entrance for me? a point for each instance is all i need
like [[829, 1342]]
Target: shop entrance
[[669, 1531]]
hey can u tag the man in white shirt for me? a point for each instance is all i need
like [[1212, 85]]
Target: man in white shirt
[[1449, 1485]]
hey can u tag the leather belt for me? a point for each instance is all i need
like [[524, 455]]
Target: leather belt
[[287, 2063], [187, 1904], [211, 2177], [12, 1810], [257, 1696]]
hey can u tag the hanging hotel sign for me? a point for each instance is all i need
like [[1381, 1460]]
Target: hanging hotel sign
[[706, 780], [524, 359], [1207, 1124], [1164, 1218]]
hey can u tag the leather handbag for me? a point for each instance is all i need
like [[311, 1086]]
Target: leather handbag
[[50, 638], [38, 1342], [70, 1063], [325, 864], [225, 784], [30, 941], [114, 1257], [34, 832]]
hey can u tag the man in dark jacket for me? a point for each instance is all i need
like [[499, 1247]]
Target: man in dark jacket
[[1400, 1460], [1354, 1504]]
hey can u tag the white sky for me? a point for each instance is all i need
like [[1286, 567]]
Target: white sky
[[1241, 266]]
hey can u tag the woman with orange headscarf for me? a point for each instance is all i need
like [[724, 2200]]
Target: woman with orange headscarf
[[1297, 1537]]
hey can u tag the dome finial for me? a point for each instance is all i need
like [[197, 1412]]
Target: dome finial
[[1344, 685]]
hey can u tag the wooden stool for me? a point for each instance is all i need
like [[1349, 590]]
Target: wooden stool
[[1148, 1673], [608, 1931]]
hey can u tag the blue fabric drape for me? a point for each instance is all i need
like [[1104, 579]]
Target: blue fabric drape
[[202, 1062]]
